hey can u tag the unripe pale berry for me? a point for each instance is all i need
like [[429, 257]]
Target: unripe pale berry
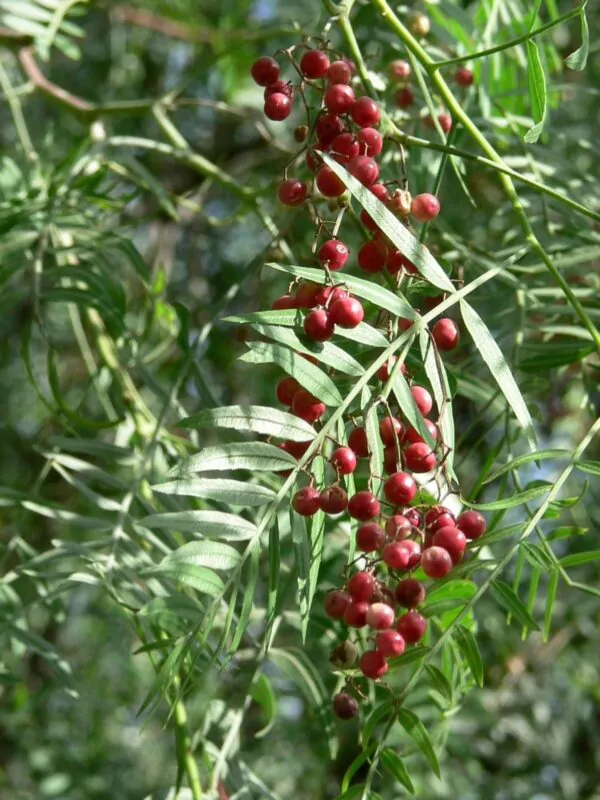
[[363, 506], [372, 256], [404, 98], [391, 430], [339, 98], [423, 399], [336, 602], [339, 72], [366, 112], [361, 586], [291, 192], [314, 64], [400, 489], [328, 126], [409, 593], [472, 524], [355, 614], [380, 616], [425, 207], [347, 312], [328, 183], [452, 540], [436, 562], [358, 442], [390, 644], [412, 626], [265, 71], [364, 169], [278, 107], [399, 70], [419, 24], [446, 334], [345, 706], [333, 254], [419, 457], [369, 537], [306, 501], [318, 325], [398, 527], [307, 407], [372, 664], [333, 500], [286, 389], [344, 460]]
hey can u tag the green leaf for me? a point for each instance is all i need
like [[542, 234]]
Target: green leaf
[[302, 562], [577, 559], [508, 598], [417, 731], [539, 455], [438, 378], [254, 456], [309, 376], [263, 694], [200, 578], [383, 711], [409, 657], [363, 334], [289, 318], [496, 363], [383, 298], [565, 532], [256, 419], [590, 467], [247, 583], [515, 500], [236, 493], [401, 237], [470, 650], [375, 447], [209, 524], [550, 598], [316, 539], [578, 59], [393, 764], [537, 92], [360, 759], [440, 682], [409, 408], [215, 555], [59, 667]]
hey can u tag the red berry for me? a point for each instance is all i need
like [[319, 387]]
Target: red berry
[[372, 664], [399, 70], [414, 553], [278, 107], [425, 207], [313, 161], [446, 334], [344, 460], [381, 193], [284, 302], [423, 399], [355, 614], [333, 254], [472, 524], [347, 312], [265, 71], [336, 602], [396, 555], [318, 325], [452, 540], [364, 169], [464, 77], [339, 72], [307, 407], [314, 64], [279, 87], [397, 262], [391, 461], [410, 593], [443, 521], [380, 616], [331, 293], [436, 562], [286, 389], [413, 435], [291, 192], [434, 513], [363, 506], [344, 147], [361, 586], [358, 442], [398, 527], [297, 449], [345, 706], [384, 372], [371, 141], [413, 516], [419, 457], [369, 537], [307, 294], [328, 183], [365, 112], [412, 626], [339, 98], [328, 126], [333, 500], [391, 430], [390, 644], [306, 501], [372, 256], [405, 97], [399, 489]]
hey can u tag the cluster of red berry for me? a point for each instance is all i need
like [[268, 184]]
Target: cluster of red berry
[[394, 537]]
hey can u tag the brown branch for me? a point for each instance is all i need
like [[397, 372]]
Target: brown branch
[[159, 24], [40, 81]]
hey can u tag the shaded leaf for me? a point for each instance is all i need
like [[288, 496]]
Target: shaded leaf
[[393, 764], [470, 650], [508, 598], [578, 59], [417, 731]]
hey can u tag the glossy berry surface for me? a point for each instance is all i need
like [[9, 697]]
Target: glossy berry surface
[[423, 399], [369, 537], [345, 706], [380, 616], [347, 312], [400, 489], [419, 457], [446, 334], [279, 87], [307, 294], [328, 126], [396, 555], [306, 501], [358, 442], [404, 98], [307, 407], [363, 506], [452, 540], [372, 256], [339, 72], [339, 98], [436, 562], [390, 644], [425, 207], [278, 107], [366, 112], [464, 77], [333, 254], [333, 500], [364, 169], [472, 524], [391, 430], [361, 586], [412, 626], [265, 71], [344, 460], [314, 64], [328, 183], [409, 593], [399, 70], [336, 602], [292, 192], [355, 614], [344, 147], [318, 325], [398, 527], [371, 142], [413, 435], [372, 664], [286, 389], [284, 302]]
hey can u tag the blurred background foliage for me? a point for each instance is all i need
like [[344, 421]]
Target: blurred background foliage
[[169, 245]]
